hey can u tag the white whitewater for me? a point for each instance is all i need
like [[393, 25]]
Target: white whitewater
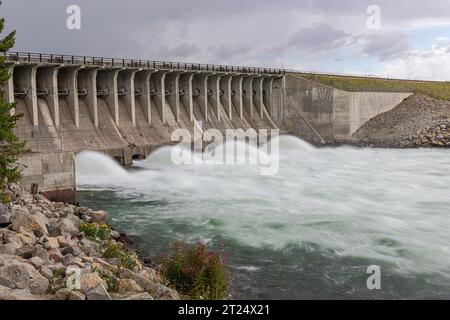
[[380, 205]]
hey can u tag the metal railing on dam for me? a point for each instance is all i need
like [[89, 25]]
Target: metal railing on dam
[[134, 63]]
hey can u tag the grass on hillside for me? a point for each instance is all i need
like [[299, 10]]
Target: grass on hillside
[[435, 89]]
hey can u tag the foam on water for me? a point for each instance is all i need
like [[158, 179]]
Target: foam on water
[[384, 205]]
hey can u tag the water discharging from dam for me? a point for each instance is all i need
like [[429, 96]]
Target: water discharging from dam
[[310, 231]]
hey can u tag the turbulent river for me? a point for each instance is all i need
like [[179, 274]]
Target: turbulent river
[[310, 231]]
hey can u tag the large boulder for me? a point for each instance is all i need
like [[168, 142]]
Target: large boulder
[[22, 218], [4, 291], [20, 294], [5, 216], [99, 216], [128, 286], [89, 281], [5, 219], [68, 226], [14, 272], [37, 285], [99, 292]]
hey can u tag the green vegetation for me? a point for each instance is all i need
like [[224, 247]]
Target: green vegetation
[[127, 260], [436, 89], [196, 271], [58, 281], [111, 280], [100, 233], [10, 146], [95, 231]]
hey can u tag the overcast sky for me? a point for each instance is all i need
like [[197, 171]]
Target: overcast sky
[[413, 40]]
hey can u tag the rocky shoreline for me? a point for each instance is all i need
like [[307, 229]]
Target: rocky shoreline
[[57, 251]]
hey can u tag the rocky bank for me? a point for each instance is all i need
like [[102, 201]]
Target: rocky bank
[[418, 122], [45, 256]]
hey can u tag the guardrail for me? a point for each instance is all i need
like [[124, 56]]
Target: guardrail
[[133, 63]]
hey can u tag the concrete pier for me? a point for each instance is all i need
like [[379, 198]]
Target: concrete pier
[[214, 87], [236, 84], [125, 84], [173, 89], [87, 90], [142, 84], [107, 88], [68, 83], [24, 81], [158, 86], [47, 81], [200, 91], [226, 87], [185, 84]]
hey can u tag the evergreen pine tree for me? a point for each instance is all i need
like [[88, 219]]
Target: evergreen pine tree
[[10, 146]]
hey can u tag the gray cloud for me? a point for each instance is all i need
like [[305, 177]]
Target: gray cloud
[[319, 38], [264, 32], [387, 46]]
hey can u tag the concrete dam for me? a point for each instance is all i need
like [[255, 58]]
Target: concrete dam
[[127, 108]]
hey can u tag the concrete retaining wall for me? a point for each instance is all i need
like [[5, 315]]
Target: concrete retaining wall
[[53, 172], [318, 112]]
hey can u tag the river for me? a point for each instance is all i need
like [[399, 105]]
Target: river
[[308, 232]]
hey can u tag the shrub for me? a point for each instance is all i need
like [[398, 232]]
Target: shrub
[[196, 271], [127, 260], [95, 231], [58, 281]]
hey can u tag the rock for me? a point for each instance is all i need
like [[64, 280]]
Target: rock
[[4, 209], [5, 220], [98, 292], [128, 285], [36, 262], [36, 285], [51, 243], [66, 211], [76, 295], [74, 251], [162, 292], [139, 296], [63, 294], [64, 242], [105, 265], [115, 235], [150, 274], [99, 216], [14, 272], [4, 291], [68, 226], [74, 262], [20, 294], [143, 282], [55, 267], [26, 240], [47, 272], [21, 218], [9, 249], [40, 252], [90, 280], [55, 255]]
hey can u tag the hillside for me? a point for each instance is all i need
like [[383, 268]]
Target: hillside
[[419, 121], [436, 89]]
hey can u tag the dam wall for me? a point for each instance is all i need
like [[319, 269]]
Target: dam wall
[[126, 108], [323, 114]]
